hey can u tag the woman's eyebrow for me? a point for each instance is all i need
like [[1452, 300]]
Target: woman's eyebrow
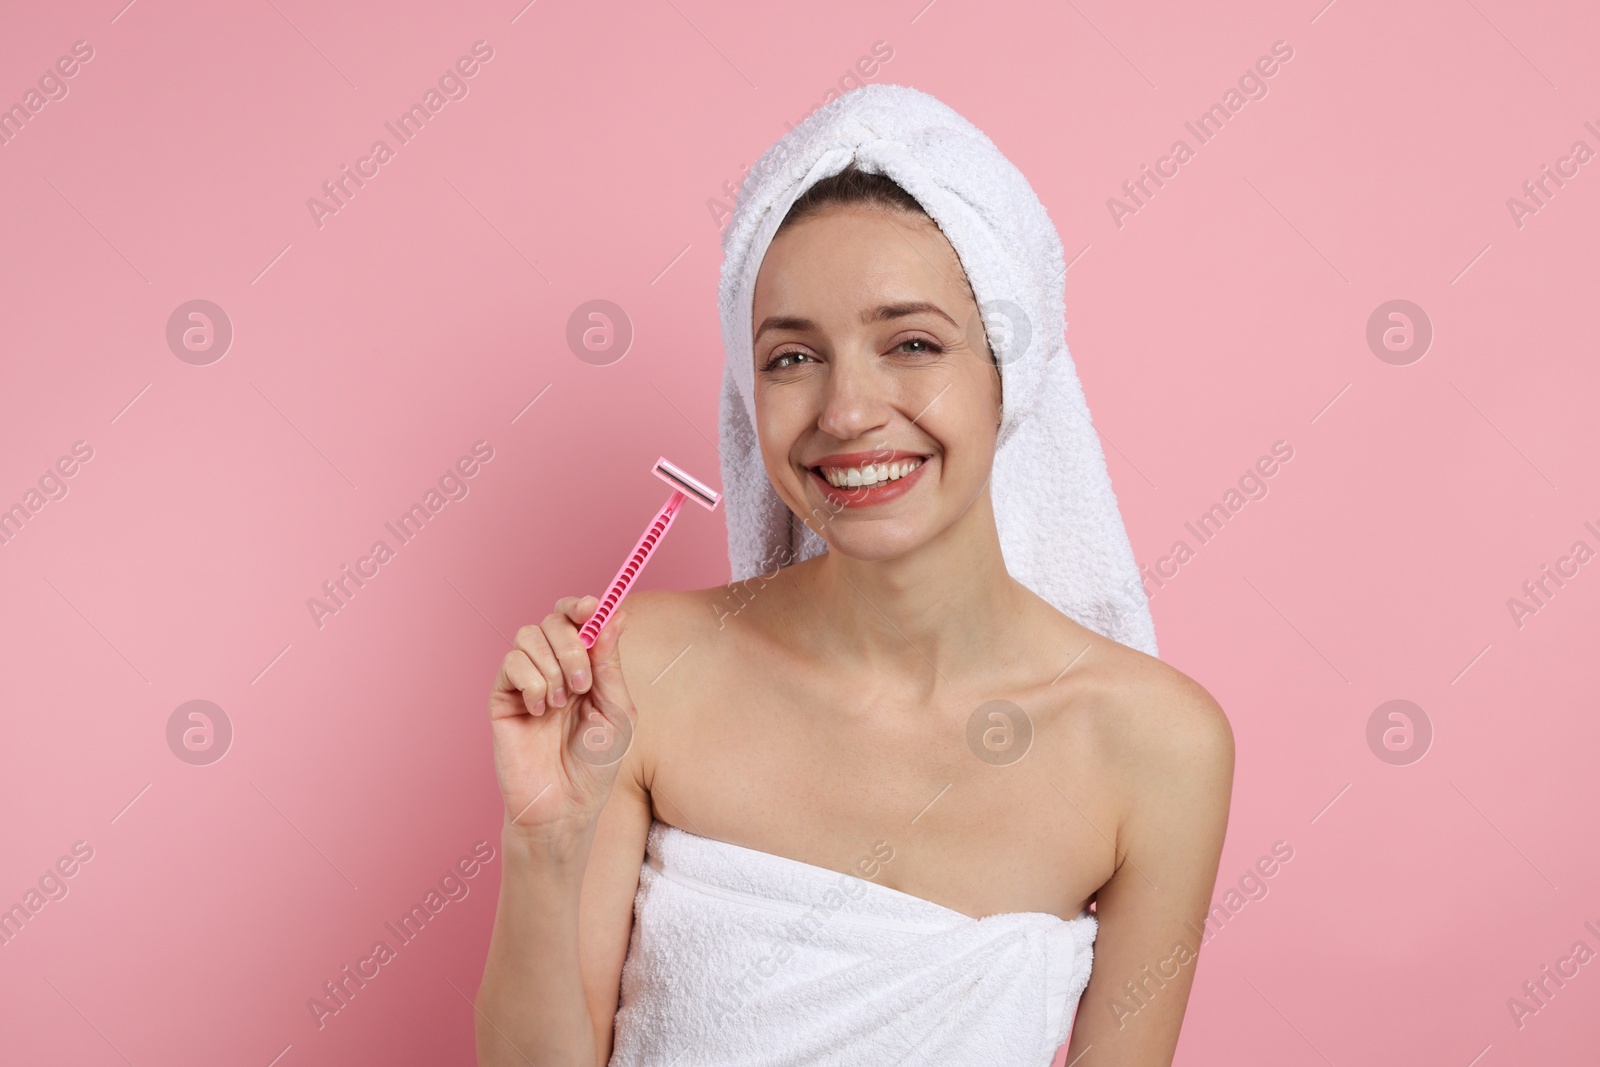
[[897, 311], [880, 313], [783, 322]]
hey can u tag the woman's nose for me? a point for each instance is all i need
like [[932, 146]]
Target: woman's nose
[[854, 401]]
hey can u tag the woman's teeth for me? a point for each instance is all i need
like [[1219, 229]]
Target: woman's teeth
[[870, 475]]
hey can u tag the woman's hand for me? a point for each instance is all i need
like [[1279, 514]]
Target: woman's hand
[[562, 722]]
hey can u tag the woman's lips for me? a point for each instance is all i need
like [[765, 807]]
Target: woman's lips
[[868, 496]]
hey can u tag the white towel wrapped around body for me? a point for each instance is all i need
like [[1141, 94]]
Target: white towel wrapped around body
[[747, 959]]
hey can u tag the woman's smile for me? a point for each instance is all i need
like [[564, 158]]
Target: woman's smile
[[866, 479]]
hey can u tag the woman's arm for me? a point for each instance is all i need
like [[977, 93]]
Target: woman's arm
[[576, 819], [605, 919], [561, 931], [1178, 773]]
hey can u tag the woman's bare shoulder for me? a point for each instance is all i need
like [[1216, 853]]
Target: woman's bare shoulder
[[1146, 714], [1165, 704], [1169, 736], [663, 623]]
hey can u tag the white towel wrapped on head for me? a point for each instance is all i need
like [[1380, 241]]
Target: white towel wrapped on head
[[740, 958]]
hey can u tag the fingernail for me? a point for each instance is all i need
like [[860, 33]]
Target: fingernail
[[558, 699], [538, 708], [580, 680]]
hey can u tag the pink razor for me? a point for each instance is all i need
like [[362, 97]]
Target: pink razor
[[683, 487]]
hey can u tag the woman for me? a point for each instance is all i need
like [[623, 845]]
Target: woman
[[862, 801]]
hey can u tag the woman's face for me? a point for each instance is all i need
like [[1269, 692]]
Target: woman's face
[[877, 400]]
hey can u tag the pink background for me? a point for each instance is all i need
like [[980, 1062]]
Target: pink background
[[1228, 313]]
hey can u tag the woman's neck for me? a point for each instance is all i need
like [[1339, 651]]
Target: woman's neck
[[945, 606]]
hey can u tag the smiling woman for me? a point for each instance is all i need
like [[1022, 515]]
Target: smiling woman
[[954, 663]]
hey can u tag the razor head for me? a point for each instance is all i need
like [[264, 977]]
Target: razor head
[[690, 487]]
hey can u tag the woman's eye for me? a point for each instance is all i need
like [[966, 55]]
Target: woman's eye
[[785, 359], [927, 346]]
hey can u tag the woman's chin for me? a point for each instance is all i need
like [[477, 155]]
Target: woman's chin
[[873, 545]]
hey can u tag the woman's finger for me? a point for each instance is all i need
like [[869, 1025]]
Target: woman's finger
[[531, 641], [606, 656], [518, 676], [562, 634], [608, 726], [578, 608]]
